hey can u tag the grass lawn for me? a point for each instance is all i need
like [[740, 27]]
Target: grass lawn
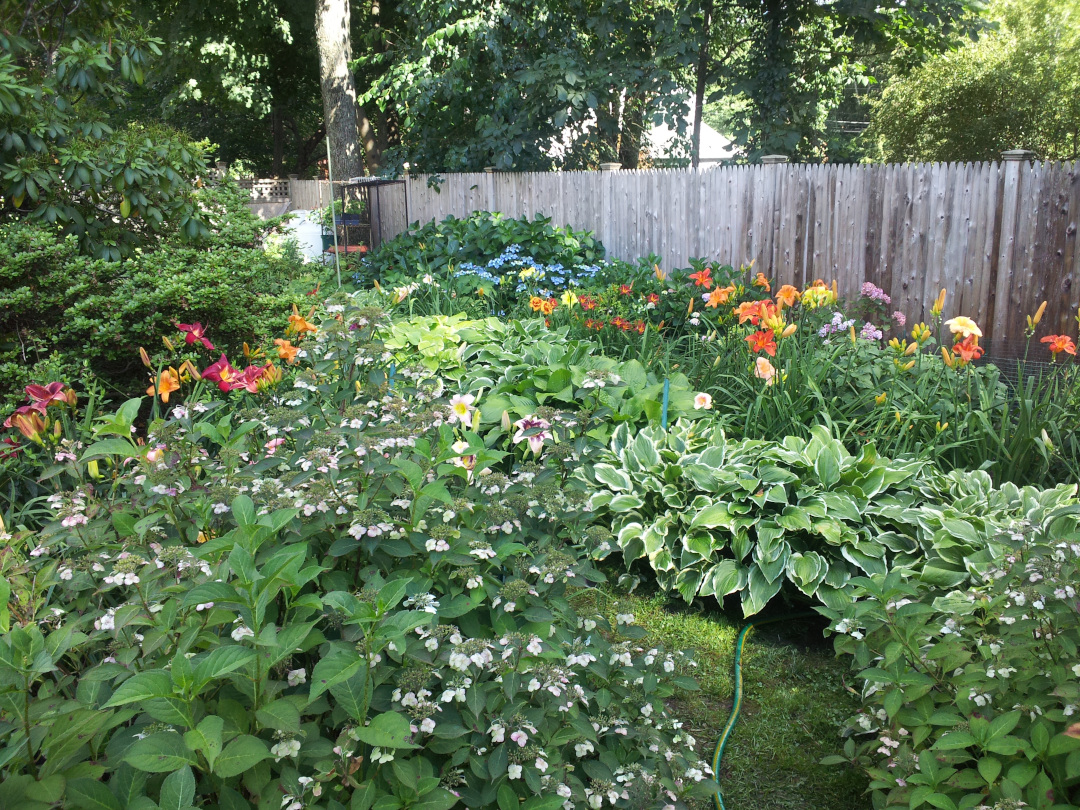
[[795, 697]]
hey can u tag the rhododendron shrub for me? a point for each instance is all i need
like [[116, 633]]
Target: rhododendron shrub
[[329, 595]]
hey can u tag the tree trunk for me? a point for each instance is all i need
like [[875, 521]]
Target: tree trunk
[[278, 129], [372, 149], [340, 112], [702, 75], [633, 125]]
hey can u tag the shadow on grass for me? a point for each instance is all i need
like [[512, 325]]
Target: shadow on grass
[[795, 698]]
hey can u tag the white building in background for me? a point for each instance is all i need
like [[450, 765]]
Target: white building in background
[[662, 143]]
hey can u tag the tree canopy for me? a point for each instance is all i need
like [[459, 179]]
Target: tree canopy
[[1018, 86], [66, 66]]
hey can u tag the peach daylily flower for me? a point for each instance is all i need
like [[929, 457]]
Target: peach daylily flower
[[764, 370]]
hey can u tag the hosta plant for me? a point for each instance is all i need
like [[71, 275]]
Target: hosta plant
[[715, 517], [972, 698]]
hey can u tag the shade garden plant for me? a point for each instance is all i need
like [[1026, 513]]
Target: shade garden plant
[[364, 558]]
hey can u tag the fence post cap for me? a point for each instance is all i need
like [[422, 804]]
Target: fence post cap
[[489, 169], [774, 159], [1017, 154], [294, 177], [613, 166]]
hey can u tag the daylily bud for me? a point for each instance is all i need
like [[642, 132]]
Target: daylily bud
[[93, 470], [168, 343], [939, 304], [1038, 314], [247, 351], [690, 308], [909, 365], [1045, 437], [476, 419], [946, 357], [835, 294], [145, 357], [910, 350], [506, 423], [852, 333], [880, 398], [789, 330]]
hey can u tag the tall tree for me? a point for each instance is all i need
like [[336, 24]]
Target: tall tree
[[1016, 87], [333, 36], [65, 67], [529, 85]]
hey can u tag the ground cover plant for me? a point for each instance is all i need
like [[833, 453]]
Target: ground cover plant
[[402, 625]]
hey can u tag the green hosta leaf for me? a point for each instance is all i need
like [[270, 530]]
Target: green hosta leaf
[[827, 465], [758, 592], [612, 477], [387, 730], [807, 570], [713, 516], [241, 754], [725, 577], [162, 752], [626, 503]]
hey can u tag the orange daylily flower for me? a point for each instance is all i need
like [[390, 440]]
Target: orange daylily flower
[[762, 342], [967, 350], [536, 303], [167, 382], [763, 282], [788, 295], [299, 324], [719, 296], [548, 306], [703, 278], [1059, 343], [286, 351]]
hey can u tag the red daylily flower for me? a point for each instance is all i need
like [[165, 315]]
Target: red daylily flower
[[968, 349], [762, 342], [1059, 343], [652, 298], [44, 396], [195, 331], [224, 374], [249, 379]]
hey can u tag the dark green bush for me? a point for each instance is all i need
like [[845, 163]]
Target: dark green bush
[[61, 311]]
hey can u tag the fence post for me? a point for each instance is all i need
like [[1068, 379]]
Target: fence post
[[768, 160], [1012, 162], [489, 188]]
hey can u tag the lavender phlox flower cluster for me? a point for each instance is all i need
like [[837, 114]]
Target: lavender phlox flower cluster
[[837, 324], [875, 293]]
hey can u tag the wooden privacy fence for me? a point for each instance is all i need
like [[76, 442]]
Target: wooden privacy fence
[[1000, 237]]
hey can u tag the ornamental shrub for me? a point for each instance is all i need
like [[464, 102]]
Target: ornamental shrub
[[715, 516], [61, 311], [971, 698], [329, 591]]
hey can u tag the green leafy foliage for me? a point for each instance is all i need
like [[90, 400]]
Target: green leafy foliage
[[61, 162], [715, 517], [1016, 87], [63, 311], [332, 593], [970, 697]]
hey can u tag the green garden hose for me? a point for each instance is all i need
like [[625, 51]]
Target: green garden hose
[[736, 702]]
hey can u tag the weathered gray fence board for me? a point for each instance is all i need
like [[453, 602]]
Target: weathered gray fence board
[[999, 237]]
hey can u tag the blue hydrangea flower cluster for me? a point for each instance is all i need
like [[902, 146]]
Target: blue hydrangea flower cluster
[[507, 267]]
